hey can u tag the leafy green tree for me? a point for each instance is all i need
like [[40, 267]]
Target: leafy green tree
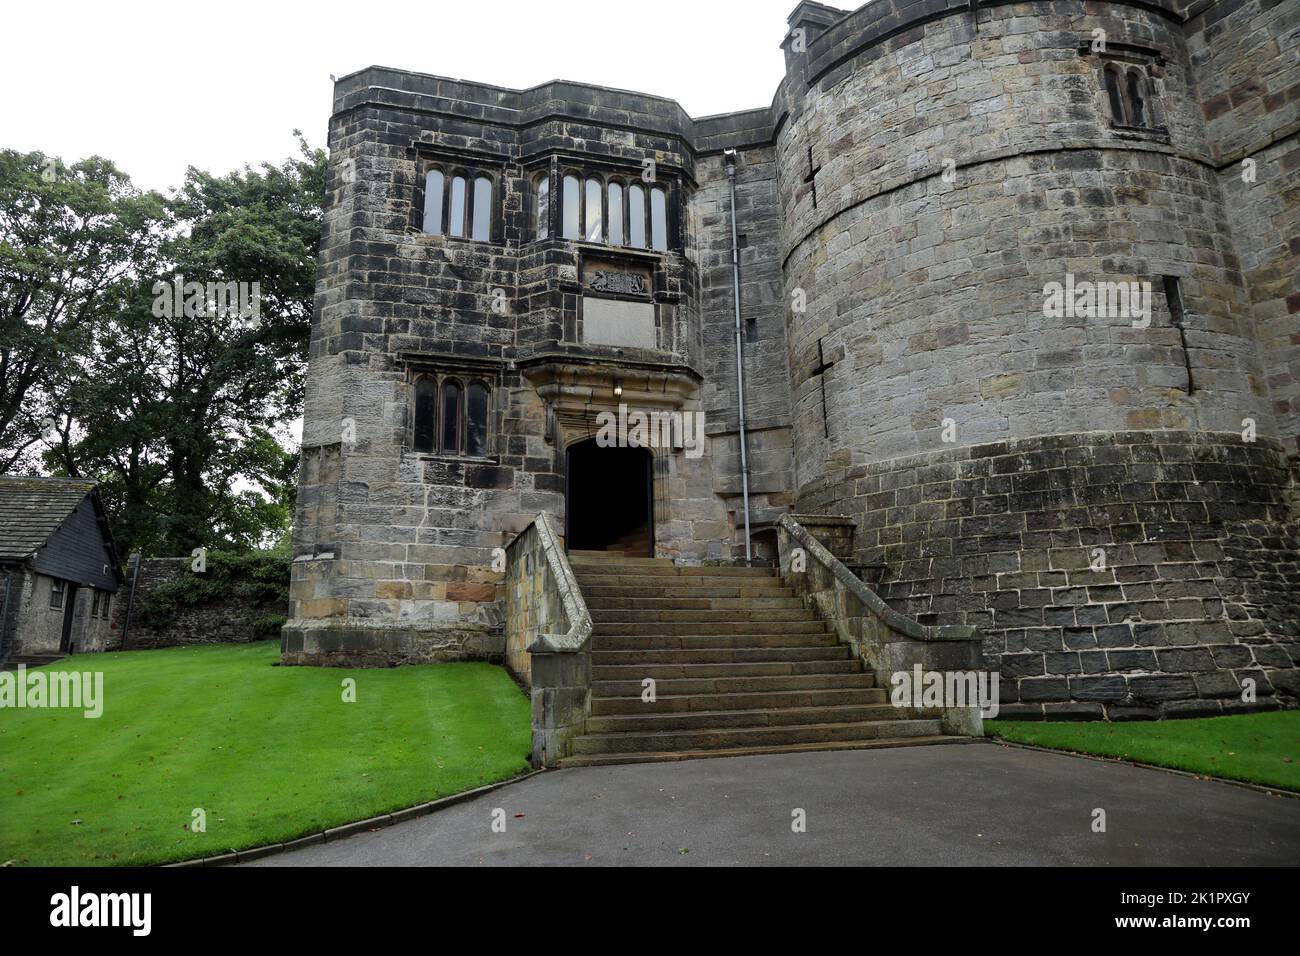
[[174, 403], [69, 235]]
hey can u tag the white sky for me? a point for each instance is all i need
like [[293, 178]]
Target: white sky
[[159, 86]]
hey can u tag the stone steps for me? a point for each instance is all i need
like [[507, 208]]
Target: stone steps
[[714, 738], [664, 672], [695, 603], [721, 655], [731, 684], [30, 660], [707, 628], [752, 700], [694, 642], [635, 568], [602, 760], [740, 666], [764, 717], [689, 591], [734, 616]]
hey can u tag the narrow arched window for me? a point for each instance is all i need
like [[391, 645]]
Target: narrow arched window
[[595, 228], [451, 398], [636, 216], [482, 229], [433, 202], [426, 416], [476, 420], [615, 214], [456, 215], [571, 229], [658, 219], [1114, 95], [542, 209], [1136, 99]]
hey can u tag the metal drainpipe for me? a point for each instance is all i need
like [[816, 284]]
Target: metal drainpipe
[[730, 155], [4, 616], [130, 599]]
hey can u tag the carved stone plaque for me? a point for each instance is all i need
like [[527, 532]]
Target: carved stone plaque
[[624, 283]]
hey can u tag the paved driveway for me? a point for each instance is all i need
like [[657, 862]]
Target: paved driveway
[[975, 804]]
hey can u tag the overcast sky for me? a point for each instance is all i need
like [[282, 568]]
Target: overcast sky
[[159, 86]]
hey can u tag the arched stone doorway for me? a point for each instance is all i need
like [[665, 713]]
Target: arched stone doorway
[[609, 499]]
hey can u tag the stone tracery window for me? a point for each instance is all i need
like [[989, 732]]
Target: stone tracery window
[[1128, 95], [450, 417], [458, 203], [609, 210]]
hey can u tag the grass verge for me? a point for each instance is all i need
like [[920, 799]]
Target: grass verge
[[267, 753], [1257, 748]]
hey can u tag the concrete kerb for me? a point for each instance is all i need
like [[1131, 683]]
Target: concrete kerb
[[1244, 784], [351, 829]]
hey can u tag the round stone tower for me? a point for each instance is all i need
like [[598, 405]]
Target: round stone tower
[[1023, 349]]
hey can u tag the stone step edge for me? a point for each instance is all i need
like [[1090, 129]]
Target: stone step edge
[[662, 756], [906, 713], [784, 728]]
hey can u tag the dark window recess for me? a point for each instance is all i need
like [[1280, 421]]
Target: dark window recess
[[476, 417], [1178, 316], [426, 416], [1136, 101], [56, 594], [450, 444], [1114, 95], [1128, 94], [451, 418]]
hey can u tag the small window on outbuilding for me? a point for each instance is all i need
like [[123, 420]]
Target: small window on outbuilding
[[56, 593]]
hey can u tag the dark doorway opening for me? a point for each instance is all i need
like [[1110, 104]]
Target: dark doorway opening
[[69, 609], [608, 500]]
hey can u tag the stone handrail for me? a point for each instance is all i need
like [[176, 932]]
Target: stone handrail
[[887, 642], [575, 639], [548, 638], [869, 598]]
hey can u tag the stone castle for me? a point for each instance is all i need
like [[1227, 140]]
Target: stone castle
[[1101, 486]]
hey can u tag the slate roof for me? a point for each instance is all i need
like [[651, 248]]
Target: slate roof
[[32, 509]]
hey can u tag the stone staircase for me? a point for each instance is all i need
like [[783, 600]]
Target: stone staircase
[[30, 661], [741, 667]]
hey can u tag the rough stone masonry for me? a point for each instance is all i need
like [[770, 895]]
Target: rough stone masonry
[[1110, 498]]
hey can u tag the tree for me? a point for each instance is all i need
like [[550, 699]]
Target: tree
[[173, 401], [68, 236]]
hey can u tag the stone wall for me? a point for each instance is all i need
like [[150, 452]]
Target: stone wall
[[985, 448], [1246, 57], [1137, 574], [230, 619]]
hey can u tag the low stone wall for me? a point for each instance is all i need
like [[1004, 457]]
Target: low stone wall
[[548, 638], [228, 619], [1117, 575], [887, 642]]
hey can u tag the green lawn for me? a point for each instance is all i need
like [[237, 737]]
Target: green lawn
[[1258, 748], [269, 753]]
